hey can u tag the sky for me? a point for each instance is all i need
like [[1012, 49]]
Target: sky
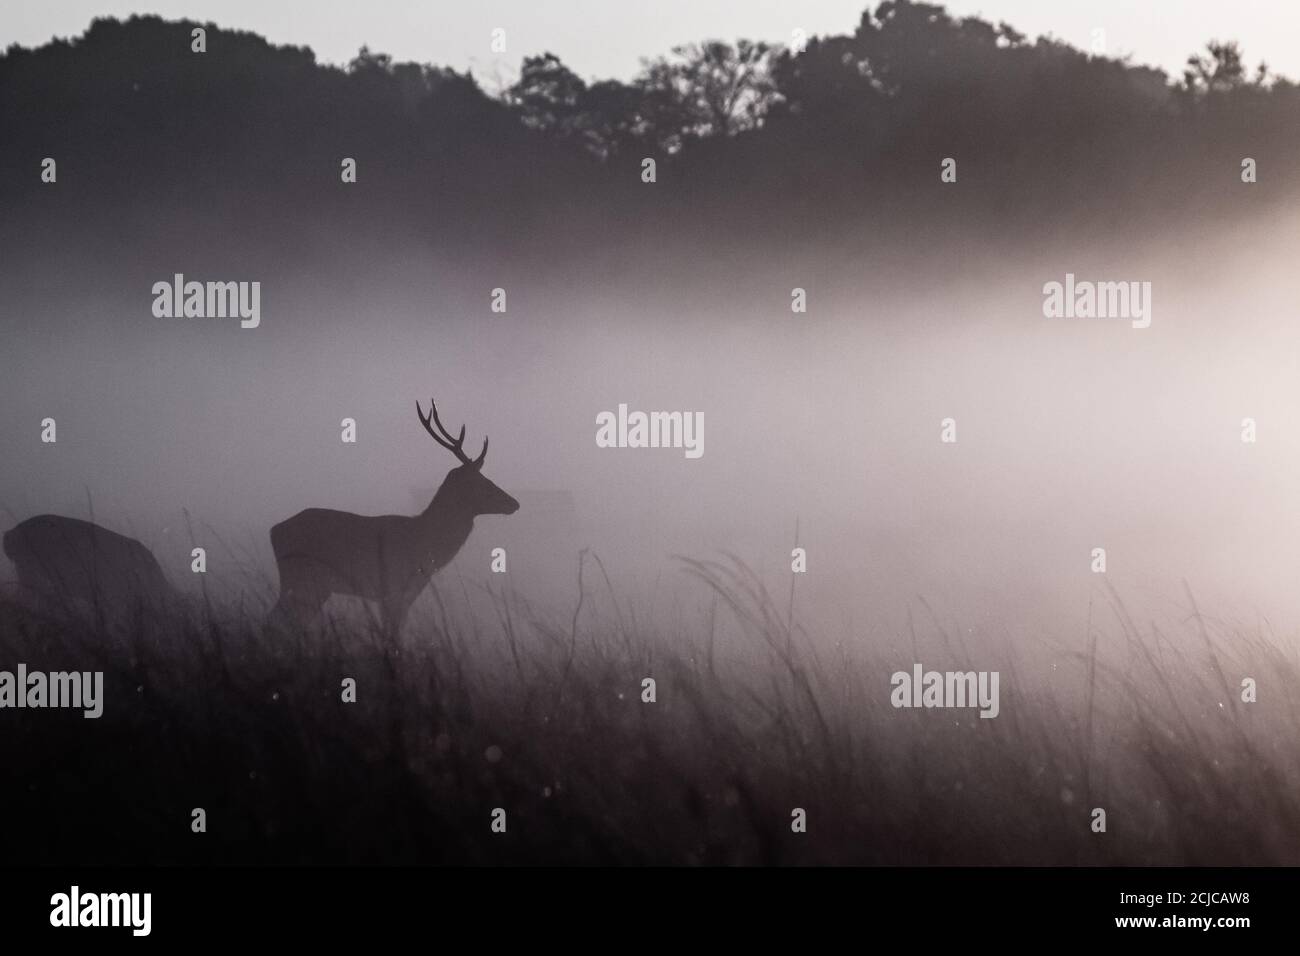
[[608, 38]]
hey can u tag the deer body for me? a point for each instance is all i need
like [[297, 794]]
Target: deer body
[[384, 558], [75, 561]]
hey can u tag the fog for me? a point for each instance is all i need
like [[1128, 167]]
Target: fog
[[1071, 433]]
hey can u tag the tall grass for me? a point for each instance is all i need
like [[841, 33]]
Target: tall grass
[[487, 701]]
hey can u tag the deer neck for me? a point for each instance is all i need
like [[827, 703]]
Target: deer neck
[[447, 521]]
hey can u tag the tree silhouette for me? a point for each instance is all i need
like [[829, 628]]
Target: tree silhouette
[[1222, 71], [708, 89], [548, 95]]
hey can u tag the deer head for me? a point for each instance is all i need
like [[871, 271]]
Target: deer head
[[465, 484]]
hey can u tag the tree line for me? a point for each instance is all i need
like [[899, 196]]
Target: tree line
[[747, 135]]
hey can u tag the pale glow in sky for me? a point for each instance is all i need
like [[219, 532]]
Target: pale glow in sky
[[602, 38]]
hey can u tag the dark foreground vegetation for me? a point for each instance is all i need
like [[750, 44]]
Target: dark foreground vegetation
[[544, 718]]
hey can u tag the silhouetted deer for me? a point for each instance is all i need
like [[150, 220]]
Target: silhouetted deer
[[74, 562], [387, 558]]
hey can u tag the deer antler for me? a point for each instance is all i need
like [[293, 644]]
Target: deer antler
[[443, 437]]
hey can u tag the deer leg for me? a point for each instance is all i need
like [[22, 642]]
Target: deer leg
[[395, 610], [284, 613], [299, 604], [301, 610]]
